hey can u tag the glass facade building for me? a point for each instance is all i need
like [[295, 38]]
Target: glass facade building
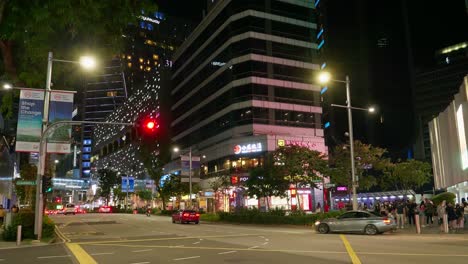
[[243, 85]]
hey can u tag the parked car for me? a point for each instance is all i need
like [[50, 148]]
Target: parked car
[[105, 209], [356, 222], [186, 216], [69, 209]]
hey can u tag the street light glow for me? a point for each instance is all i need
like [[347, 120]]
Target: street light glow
[[7, 86], [56, 161], [88, 62], [371, 109], [176, 149], [324, 77]]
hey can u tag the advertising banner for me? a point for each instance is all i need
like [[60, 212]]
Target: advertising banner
[[28, 133], [61, 109]]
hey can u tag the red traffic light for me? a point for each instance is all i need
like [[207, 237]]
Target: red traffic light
[[150, 124]]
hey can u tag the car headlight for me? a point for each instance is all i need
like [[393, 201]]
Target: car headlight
[[317, 223]]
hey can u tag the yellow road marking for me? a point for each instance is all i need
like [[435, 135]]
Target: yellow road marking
[[166, 238], [80, 254], [351, 253]]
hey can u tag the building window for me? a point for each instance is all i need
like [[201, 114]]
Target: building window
[[112, 94]]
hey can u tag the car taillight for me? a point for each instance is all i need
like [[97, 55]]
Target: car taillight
[[185, 214], [197, 215], [387, 221]]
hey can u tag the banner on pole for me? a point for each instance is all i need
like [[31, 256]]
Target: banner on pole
[[61, 109], [128, 184], [29, 129]]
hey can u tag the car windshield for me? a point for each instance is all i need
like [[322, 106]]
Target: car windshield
[[70, 205]]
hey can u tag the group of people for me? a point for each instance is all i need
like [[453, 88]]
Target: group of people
[[404, 212]]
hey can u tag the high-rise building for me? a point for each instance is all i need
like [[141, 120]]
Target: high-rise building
[[435, 89], [146, 63], [242, 86]]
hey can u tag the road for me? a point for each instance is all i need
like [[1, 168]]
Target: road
[[137, 239]]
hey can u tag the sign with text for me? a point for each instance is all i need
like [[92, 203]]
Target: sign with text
[[29, 129], [248, 148], [61, 109], [128, 184]]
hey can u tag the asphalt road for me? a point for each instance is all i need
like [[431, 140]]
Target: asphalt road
[[138, 239]]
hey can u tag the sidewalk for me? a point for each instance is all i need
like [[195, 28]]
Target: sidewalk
[[24, 243], [432, 230]]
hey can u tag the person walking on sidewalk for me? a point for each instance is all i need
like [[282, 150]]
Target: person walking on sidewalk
[[430, 210], [440, 215], [400, 215], [2, 215]]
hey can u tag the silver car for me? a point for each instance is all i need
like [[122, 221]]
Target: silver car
[[356, 222]]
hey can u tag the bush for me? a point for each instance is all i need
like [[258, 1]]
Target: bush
[[25, 218], [167, 212], [209, 217], [277, 216], [447, 196]]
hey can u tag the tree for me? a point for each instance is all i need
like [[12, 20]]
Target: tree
[[299, 165], [107, 180], [369, 163], [218, 183], [407, 175], [26, 193], [266, 182], [154, 168], [145, 195], [30, 29]]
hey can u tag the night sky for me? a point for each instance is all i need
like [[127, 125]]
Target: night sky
[[191, 9]]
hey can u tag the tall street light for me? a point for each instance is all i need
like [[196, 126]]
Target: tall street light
[[176, 150], [87, 63], [326, 77]]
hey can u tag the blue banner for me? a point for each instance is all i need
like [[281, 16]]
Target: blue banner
[[128, 184], [60, 109], [29, 129]]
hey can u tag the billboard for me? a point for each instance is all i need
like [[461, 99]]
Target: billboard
[[61, 109], [29, 129]]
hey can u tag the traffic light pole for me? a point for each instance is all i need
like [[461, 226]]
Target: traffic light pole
[[39, 210]]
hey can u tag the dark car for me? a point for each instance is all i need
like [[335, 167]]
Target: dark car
[[356, 222], [186, 216]]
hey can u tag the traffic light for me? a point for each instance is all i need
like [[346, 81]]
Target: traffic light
[[46, 184], [147, 127]]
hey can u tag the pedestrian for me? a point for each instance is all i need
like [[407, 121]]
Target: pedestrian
[[318, 209], [460, 219], [465, 211], [452, 216], [441, 211], [430, 210], [411, 209], [400, 215], [422, 213], [2, 215]]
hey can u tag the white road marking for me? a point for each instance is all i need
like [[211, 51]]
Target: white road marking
[[253, 247], [266, 239], [227, 252], [186, 258], [179, 246], [196, 243], [46, 257], [140, 263], [265, 243], [97, 254], [2, 259], [143, 250]]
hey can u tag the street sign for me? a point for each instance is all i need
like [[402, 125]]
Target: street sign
[[329, 185], [128, 184], [317, 181], [26, 183]]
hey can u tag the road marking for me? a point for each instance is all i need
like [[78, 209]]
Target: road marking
[[159, 239], [227, 252], [265, 243], [179, 246], [61, 235], [2, 259], [196, 243], [104, 253], [351, 253], [186, 258], [253, 247], [46, 257], [140, 263], [143, 250], [80, 254]]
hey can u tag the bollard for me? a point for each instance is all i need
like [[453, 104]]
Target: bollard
[[18, 236], [416, 221]]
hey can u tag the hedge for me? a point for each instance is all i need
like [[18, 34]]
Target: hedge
[[254, 216], [447, 196], [25, 218]]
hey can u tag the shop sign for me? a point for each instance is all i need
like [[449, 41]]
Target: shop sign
[[239, 179], [248, 148], [307, 144], [342, 188]]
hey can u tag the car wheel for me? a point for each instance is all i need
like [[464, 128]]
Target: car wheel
[[196, 222], [370, 230], [173, 221], [323, 228]]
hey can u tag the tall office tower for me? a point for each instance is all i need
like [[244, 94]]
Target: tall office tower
[[435, 88], [147, 64], [243, 85]]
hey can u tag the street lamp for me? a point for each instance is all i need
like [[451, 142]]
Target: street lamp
[[325, 77], [87, 63], [176, 150]]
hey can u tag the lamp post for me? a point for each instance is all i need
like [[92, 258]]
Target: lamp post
[[176, 149], [87, 63], [325, 77]]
